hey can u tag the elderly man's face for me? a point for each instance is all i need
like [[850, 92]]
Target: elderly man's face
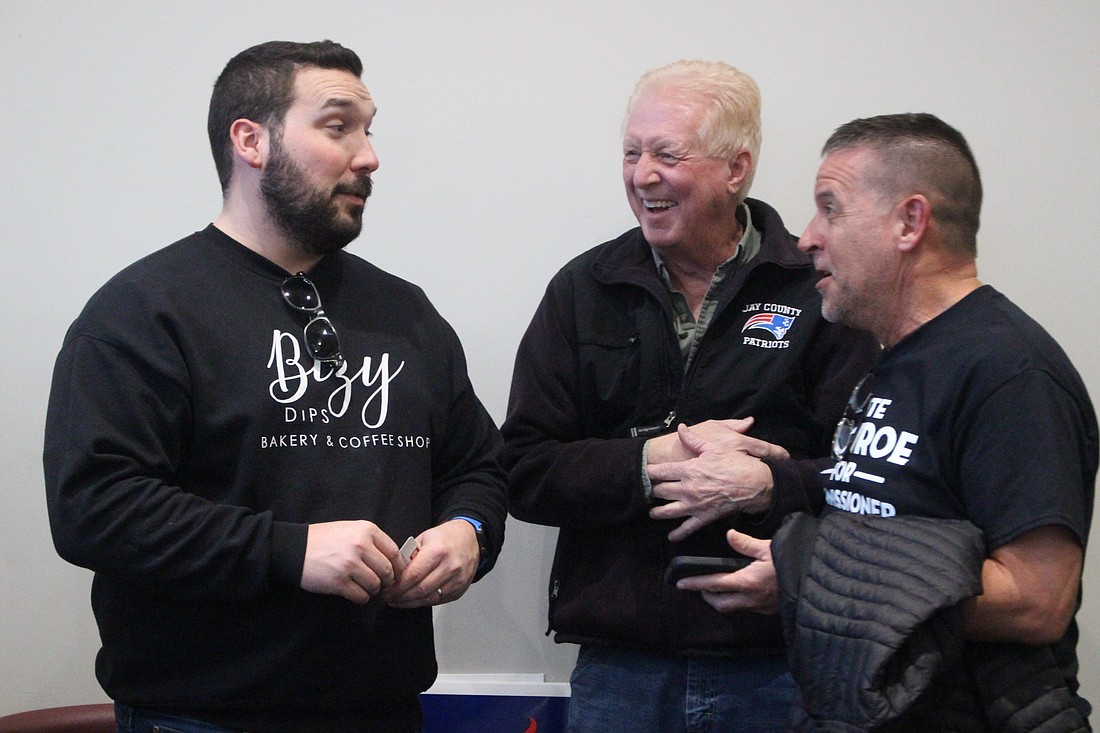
[[851, 241], [681, 196]]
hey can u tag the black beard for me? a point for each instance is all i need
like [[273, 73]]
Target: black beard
[[311, 219]]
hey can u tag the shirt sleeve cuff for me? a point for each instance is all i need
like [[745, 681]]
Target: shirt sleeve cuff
[[288, 553]]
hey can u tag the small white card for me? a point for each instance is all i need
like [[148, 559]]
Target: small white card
[[409, 549]]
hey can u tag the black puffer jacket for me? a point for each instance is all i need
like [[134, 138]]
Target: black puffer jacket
[[870, 609]]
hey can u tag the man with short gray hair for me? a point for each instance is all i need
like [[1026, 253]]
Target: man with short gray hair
[[973, 415]]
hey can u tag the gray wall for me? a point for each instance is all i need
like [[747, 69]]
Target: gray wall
[[498, 134]]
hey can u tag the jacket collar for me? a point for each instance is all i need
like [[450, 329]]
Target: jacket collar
[[629, 259]]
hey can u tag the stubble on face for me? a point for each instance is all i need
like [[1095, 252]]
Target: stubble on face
[[311, 218], [837, 237], [854, 243]]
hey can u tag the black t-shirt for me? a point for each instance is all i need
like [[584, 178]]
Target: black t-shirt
[[977, 415]]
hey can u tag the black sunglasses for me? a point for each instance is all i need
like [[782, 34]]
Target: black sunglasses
[[322, 343], [852, 417]]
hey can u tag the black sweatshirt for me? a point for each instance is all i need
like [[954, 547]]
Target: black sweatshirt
[[190, 441]]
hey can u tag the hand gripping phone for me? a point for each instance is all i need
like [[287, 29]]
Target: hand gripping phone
[[686, 566]]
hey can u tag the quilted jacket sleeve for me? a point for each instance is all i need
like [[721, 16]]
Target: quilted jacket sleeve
[[877, 598]]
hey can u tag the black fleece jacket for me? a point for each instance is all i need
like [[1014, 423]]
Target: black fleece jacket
[[600, 365]]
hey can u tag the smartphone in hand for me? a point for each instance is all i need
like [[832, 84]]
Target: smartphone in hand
[[686, 566]]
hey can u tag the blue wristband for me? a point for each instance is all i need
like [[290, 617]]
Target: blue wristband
[[482, 541]]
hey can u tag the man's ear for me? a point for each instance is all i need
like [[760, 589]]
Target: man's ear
[[740, 166], [914, 214], [249, 142]]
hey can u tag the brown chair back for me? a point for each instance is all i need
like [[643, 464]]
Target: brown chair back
[[67, 719]]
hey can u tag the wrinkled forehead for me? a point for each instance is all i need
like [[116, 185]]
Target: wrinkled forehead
[[317, 89], [846, 170], [670, 95], [665, 112]]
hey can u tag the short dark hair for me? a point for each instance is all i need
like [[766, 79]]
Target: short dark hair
[[258, 84], [921, 153]]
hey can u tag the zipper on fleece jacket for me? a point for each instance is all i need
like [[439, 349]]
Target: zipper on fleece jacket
[[553, 601]]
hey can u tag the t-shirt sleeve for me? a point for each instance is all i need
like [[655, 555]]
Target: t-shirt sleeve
[[1024, 453]]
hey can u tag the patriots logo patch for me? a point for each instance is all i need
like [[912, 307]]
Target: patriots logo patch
[[775, 324]]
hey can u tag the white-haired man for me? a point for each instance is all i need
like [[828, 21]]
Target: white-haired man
[[705, 314]]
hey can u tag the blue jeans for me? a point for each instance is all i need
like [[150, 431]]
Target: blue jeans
[[136, 720], [617, 689]]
